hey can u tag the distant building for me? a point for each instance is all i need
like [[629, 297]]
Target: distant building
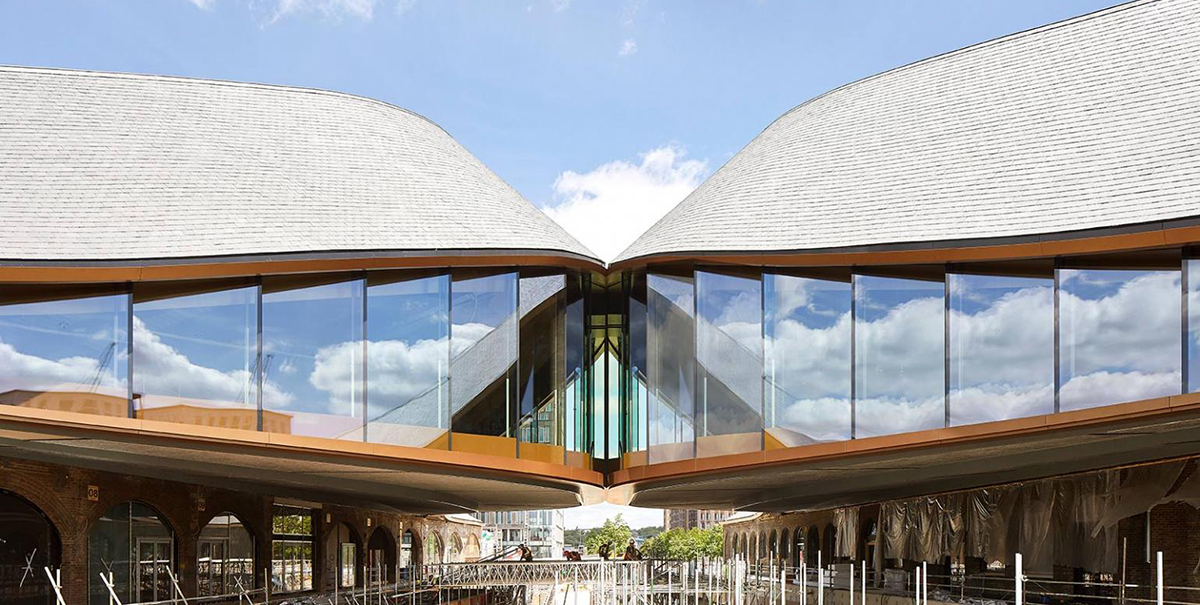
[[541, 530], [682, 518]]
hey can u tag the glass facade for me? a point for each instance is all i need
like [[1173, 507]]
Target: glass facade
[[313, 357], [899, 355], [605, 372], [670, 348], [1191, 349], [484, 325], [807, 352], [133, 546], [65, 349], [408, 359], [729, 362], [1001, 347], [196, 355], [1119, 336]]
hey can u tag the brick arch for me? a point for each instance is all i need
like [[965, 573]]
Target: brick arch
[[54, 509]]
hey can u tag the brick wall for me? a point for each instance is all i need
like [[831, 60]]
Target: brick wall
[[62, 494]]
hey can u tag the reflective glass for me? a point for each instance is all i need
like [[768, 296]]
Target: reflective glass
[[225, 557], [132, 542], [1119, 336], [807, 370], [483, 335], [67, 354], [636, 398], [899, 370], [313, 355], [729, 357], [671, 345], [1193, 324], [195, 357], [579, 428], [542, 367], [408, 359], [1001, 347]]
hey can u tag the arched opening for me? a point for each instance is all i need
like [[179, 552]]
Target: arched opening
[[132, 544], [870, 534], [783, 545], [224, 557], [381, 556], [410, 554], [347, 549], [456, 549], [829, 543], [773, 549], [472, 552], [813, 545], [798, 547], [28, 542], [762, 545], [434, 549]]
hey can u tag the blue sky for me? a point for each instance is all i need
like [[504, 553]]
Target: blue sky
[[572, 92], [605, 113]]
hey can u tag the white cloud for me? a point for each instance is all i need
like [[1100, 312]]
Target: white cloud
[[204, 4], [587, 517], [608, 207], [628, 47]]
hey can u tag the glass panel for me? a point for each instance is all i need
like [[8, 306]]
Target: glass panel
[[66, 354], [542, 355], [636, 416], [729, 357], [670, 340], [128, 533], [291, 549], [578, 411], [900, 360], [483, 331], [312, 353], [807, 360], [229, 548], [408, 355], [194, 358], [1193, 324], [1001, 347], [1120, 336]]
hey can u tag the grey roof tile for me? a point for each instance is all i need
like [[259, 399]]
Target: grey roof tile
[[101, 166], [1089, 123]]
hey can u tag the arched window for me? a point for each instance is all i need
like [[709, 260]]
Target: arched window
[[433, 548], [132, 543], [28, 542], [224, 557], [773, 549], [813, 545], [762, 545], [798, 547], [410, 553], [381, 556], [456, 549], [349, 550], [472, 552], [829, 543]]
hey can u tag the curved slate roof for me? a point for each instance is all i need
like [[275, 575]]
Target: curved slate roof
[[1089, 123], [118, 167]]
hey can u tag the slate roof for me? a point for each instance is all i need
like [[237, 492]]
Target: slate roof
[[116, 167], [1089, 123]]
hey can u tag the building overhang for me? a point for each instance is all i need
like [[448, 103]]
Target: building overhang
[[863, 471], [387, 477]]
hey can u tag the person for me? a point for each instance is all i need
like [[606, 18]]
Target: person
[[571, 555], [604, 551], [632, 553], [526, 554]]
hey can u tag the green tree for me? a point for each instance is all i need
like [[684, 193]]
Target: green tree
[[615, 533], [685, 544]]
